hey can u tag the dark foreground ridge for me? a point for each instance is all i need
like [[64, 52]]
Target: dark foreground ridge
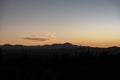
[[58, 62]]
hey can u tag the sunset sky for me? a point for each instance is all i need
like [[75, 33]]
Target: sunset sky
[[40, 22]]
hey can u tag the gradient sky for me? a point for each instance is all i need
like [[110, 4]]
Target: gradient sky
[[81, 22]]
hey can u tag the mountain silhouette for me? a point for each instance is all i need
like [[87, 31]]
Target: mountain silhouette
[[57, 61]]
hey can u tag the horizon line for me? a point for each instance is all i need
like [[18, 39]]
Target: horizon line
[[7, 44]]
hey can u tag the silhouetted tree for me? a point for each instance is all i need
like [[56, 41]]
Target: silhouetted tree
[[0, 55], [22, 54]]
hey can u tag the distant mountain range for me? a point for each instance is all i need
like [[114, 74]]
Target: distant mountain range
[[67, 44], [66, 48]]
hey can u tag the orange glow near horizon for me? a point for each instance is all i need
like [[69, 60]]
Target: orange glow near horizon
[[82, 42]]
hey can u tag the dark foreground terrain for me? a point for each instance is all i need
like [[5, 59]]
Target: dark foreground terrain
[[59, 62]]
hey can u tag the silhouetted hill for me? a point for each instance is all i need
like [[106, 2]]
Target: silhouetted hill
[[66, 48], [58, 62]]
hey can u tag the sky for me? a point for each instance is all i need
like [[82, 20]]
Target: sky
[[40, 22]]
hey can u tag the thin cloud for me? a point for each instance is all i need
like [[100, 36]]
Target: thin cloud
[[36, 39], [51, 36], [41, 38]]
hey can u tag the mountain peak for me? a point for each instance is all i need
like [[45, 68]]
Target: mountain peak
[[68, 44]]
